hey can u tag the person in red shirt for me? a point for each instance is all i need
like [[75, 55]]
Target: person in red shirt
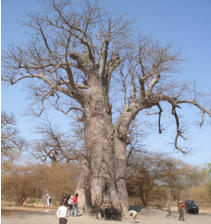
[[181, 211], [75, 204]]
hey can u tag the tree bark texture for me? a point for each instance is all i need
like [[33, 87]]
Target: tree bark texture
[[102, 184]]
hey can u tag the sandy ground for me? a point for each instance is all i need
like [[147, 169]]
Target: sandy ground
[[146, 216]]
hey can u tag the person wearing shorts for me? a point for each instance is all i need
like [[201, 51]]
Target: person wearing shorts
[[133, 215]]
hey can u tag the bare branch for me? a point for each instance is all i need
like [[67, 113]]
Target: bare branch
[[142, 88], [179, 131], [159, 118], [202, 109], [54, 145], [88, 42], [124, 85], [70, 109], [42, 108], [112, 64], [104, 57], [153, 82], [45, 41]]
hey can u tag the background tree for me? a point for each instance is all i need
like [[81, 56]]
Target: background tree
[[58, 180], [145, 179], [180, 177], [11, 142], [78, 57], [154, 179], [54, 145], [21, 184], [200, 192]]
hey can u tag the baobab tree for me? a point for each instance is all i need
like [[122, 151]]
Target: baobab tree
[[76, 58]]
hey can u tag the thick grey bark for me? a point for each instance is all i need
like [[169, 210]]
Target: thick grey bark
[[120, 149], [105, 160], [102, 183]]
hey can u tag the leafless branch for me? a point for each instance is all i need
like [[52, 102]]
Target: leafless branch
[[201, 108], [179, 132], [159, 118], [70, 109]]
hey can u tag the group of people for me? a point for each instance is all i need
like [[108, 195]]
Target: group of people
[[69, 205], [134, 214]]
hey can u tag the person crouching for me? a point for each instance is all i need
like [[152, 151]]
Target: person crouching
[[133, 215], [62, 213]]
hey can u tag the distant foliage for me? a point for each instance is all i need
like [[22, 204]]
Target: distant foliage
[[154, 179], [23, 183], [201, 195], [58, 180], [11, 142], [20, 183]]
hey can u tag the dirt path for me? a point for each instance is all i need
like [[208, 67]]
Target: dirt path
[[150, 216]]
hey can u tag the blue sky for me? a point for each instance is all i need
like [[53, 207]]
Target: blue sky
[[186, 23]]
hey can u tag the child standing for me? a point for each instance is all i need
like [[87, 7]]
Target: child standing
[[62, 213]]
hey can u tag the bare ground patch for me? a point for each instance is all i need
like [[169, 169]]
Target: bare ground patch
[[146, 216]]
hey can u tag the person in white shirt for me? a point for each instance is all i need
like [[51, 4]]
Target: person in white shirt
[[70, 203], [61, 213], [48, 201], [133, 214]]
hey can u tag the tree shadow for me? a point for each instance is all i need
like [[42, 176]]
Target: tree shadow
[[111, 214]]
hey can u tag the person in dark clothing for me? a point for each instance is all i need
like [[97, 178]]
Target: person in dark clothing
[[65, 199]]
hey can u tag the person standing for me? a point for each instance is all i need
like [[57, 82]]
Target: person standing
[[133, 215], [181, 211], [70, 203], [75, 204], [65, 199], [48, 201], [61, 213]]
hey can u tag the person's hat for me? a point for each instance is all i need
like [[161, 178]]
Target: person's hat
[[180, 202]]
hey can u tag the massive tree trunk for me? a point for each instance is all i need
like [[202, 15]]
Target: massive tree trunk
[[120, 152], [102, 186]]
